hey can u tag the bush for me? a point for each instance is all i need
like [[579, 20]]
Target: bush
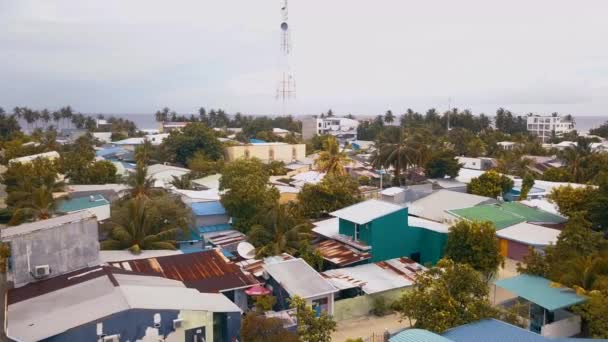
[[380, 307]]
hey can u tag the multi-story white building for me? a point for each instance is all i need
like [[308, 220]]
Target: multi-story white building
[[544, 126], [344, 129]]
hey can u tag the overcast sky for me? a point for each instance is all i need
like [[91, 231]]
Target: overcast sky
[[355, 56]]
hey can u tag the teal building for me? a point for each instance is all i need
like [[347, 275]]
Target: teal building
[[386, 231]]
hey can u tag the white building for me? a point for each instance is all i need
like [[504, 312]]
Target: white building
[[344, 129], [543, 126]]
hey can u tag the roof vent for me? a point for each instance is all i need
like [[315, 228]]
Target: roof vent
[[92, 198]]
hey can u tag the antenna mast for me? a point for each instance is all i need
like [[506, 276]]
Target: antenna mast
[[286, 89]]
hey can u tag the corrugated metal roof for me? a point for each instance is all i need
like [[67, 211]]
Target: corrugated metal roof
[[418, 335], [256, 266], [299, 279], [340, 254], [81, 203], [530, 234], [207, 271], [539, 291], [376, 277], [491, 330], [367, 211], [207, 208], [227, 239]]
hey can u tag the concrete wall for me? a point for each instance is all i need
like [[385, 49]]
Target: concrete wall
[[361, 306], [267, 152], [566, 327], [210, 220], [102, 212], [65, 248]]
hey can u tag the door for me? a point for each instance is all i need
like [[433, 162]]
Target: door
[[504, 247], [195, 335]]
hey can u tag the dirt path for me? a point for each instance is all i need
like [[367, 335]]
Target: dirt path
[[366, 326]]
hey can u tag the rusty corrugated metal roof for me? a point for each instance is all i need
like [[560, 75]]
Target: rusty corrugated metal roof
[[340, 254], [207, 271], [256, 266]]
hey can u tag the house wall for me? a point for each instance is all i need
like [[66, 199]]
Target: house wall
[[391, 237], [282, 152], [65, 248], [516, 250], [138, 324], [361, 306], [209, 220]]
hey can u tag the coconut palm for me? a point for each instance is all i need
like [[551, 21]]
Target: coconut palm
[[331, 160], [140, 230], [282, 231], [184, 182], [586, 273], [40, 206], [397, 153], [141, 184]]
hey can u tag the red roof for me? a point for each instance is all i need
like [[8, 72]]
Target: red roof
[[207, 271]]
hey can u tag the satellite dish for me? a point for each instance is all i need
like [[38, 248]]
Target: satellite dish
[[246, 250], [284, 26]]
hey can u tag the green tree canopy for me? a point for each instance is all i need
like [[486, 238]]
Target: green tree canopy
[[476, 244], [441, 164], [332, 193], [331, 160], [447, 296], [248, 197], [193, 138], [312, 328], [490, 184], [258, 328], [147, 223]]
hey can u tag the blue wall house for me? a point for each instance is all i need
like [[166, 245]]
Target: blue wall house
[[209, 214], [383, 229], [102, 301]]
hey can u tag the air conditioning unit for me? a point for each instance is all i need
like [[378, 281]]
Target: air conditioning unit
[[111, 338], [177, 323], [42, 271]]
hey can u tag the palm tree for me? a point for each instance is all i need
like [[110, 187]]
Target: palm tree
[[138, 230], [141, 184], [40, 206], [45, 115], [586, 273], [331, 160], [184, 182], [398, 154], [389, 117], [282, 232]]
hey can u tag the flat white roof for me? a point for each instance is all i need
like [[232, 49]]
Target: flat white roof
[[328, 228], [428, 224], [27, 159], [542, 204], [110, 256], [202, 195], [299, 279], [156, 168], [392, 191], [435, 205], [529, 234], [367, 211], [54, 222]]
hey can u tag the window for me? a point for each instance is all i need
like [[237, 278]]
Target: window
[[357, 231]]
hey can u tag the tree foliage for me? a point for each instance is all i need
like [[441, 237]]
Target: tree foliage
[[476, 244], [331, 160], [247, 197], [312, 328], [193, 138], [147, 223], [447, 296], [332, 193], [441, 164], [594, 313], [588, 201], [259, 328], [526, 186], [490, 184]]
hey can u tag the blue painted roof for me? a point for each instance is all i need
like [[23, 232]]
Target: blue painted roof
[[256, 141], [208, 208], [491, 330], [110, 151], [81, 203], [214, 228], [538, 290], [418, 335]]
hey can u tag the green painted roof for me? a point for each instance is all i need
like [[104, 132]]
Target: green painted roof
[[538, 290], [506, 214], [418, 335], [81, 203]]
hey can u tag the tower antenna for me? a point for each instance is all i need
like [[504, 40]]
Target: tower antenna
[[286, 89]]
